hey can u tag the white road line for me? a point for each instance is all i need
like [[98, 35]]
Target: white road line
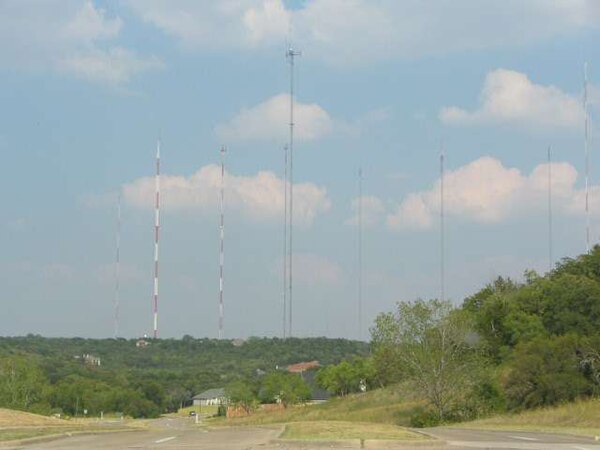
[[580, 448], [523, 438], [160, 441]]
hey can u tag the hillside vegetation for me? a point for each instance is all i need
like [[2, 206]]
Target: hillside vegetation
[[52, 375]]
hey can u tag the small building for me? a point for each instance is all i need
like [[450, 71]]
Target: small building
[[210, 397], [303, 367]]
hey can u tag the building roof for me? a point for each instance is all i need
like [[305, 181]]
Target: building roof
[[209, 394], [303, 366]]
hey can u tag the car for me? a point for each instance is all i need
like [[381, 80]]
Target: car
[[192, 413]]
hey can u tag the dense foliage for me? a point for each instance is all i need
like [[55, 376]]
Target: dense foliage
[[510, 346], [51, 375]]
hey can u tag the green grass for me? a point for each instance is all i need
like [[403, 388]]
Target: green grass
[[339, 430], [204, 410], [580, 417]]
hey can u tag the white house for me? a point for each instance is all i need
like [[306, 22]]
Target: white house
[[210, 397]]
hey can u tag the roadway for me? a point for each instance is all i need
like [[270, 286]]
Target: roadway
[[170, 434]]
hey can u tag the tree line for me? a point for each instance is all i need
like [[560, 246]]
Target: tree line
[[49, 375]]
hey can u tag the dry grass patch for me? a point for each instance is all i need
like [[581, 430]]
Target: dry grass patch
[[339, 430], [12, 418], [387, 406], [581, 417]]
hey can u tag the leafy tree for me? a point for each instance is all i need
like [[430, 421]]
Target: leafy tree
[[241, 393], [546, 371], [287, 388], [347, 377], [435, 349], [22, 383]]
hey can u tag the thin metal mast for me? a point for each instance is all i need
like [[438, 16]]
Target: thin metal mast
[[285, 225], [442, 229], [117, 269], [222, 236], [156, 238], [550, 257], [360, 255], [291, 54], [587, 158]]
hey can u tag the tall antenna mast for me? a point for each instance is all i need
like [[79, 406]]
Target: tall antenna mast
[[442, 229], [550, 257], [291, 54], [285, 225], [222, 236], [360, 256], [117, 269], [587, 157], [156, 239]]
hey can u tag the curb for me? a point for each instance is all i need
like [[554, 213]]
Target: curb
[[359, 443]]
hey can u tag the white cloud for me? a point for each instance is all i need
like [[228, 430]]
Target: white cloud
[[258, 198], [511, 97], [313, 270], [69, 36], [269, 119], [486, 191], [373, 211], [358, 32]]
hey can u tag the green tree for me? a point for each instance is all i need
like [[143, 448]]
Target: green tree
[[546, 371], [287, 388], [435, 347], [22, 384], [241, 393]]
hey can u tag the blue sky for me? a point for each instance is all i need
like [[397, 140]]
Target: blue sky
[[87, 88]]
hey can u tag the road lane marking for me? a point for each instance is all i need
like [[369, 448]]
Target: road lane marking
[[160, 441], [580, 448], [524, 438]]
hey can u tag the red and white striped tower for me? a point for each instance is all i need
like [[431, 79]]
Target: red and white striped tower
[[221, 247], [156, 239]]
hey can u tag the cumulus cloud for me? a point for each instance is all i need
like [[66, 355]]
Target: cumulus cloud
[[259, 197], [268, 121], [486, 191], [373, 210], [68, 36], [358, 32], [511, 97]]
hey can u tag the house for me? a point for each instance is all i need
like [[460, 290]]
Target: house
[[89, 360], [210, 397], [303, 367]]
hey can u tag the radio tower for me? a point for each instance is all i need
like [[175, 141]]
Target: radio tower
[[291, 54], [117, 269], [587, 158], [442, 229], [550, 257], [156, 239], [285, 225], [360, 256], [221, 247]]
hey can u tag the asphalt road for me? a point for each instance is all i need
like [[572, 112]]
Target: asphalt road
[[169, 434], [456, 438]]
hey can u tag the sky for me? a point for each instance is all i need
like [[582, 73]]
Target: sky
[[88, 87]]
